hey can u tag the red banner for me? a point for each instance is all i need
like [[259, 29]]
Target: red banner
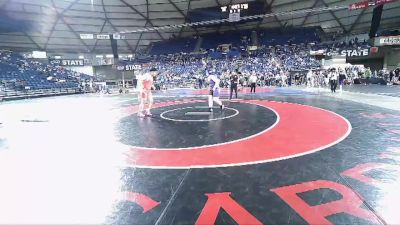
[[359, 5], [380, 2]]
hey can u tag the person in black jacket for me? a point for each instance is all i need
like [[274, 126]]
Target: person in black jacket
[[333, 79], [234, 78]]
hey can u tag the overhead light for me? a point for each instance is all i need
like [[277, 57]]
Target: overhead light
[[109, 56], [57, 57], [81, 57], [99, 56], [130, 56]]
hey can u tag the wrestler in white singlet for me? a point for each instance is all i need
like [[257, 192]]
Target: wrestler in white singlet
[[214, 92]]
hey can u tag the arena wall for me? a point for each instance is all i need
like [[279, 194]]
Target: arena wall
[[392, 59], [83, 69]]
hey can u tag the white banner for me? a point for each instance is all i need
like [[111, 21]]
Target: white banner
[[234, 17], [39, 55], [318, 52], [130, 67], [86, 36], [252, 48], [116, 36], [103, 36], [67, 62], [390, 40], [349, 52], [355, 53]]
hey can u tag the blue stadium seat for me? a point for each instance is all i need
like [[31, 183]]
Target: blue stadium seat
[[15, 68]]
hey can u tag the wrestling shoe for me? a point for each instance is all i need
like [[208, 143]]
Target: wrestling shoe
[[148, 113], [140, 115]]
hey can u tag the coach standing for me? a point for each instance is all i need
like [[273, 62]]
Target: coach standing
[[333, 77], [234, 78]]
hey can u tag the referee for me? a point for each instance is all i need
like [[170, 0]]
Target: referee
[[234, 78], [253, 82]]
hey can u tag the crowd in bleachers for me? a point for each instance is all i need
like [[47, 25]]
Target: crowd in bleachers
[[348, 75], [277, 57], [264, 62], [22, 74], [278, 53], [282, 58], [276, 66]]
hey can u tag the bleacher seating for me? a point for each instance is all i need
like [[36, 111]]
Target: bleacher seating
[[24, 74], [288, 36], [173, 46], [239, 39], [290, 52], [182, 69], [235, 38]]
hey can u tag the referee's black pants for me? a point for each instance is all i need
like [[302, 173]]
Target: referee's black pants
[[333, 85], [233, 88], [253, 87]]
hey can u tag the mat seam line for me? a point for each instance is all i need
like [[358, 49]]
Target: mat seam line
[[172, 199], [364, 202]]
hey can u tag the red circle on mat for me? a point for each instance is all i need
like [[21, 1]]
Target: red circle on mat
[[300, 130]]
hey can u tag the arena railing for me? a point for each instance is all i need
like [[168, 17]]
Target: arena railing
[[13, 94]]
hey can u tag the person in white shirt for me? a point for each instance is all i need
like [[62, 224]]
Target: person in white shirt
[[277, 80], [309, 78], [284, 78], [253, 82]]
